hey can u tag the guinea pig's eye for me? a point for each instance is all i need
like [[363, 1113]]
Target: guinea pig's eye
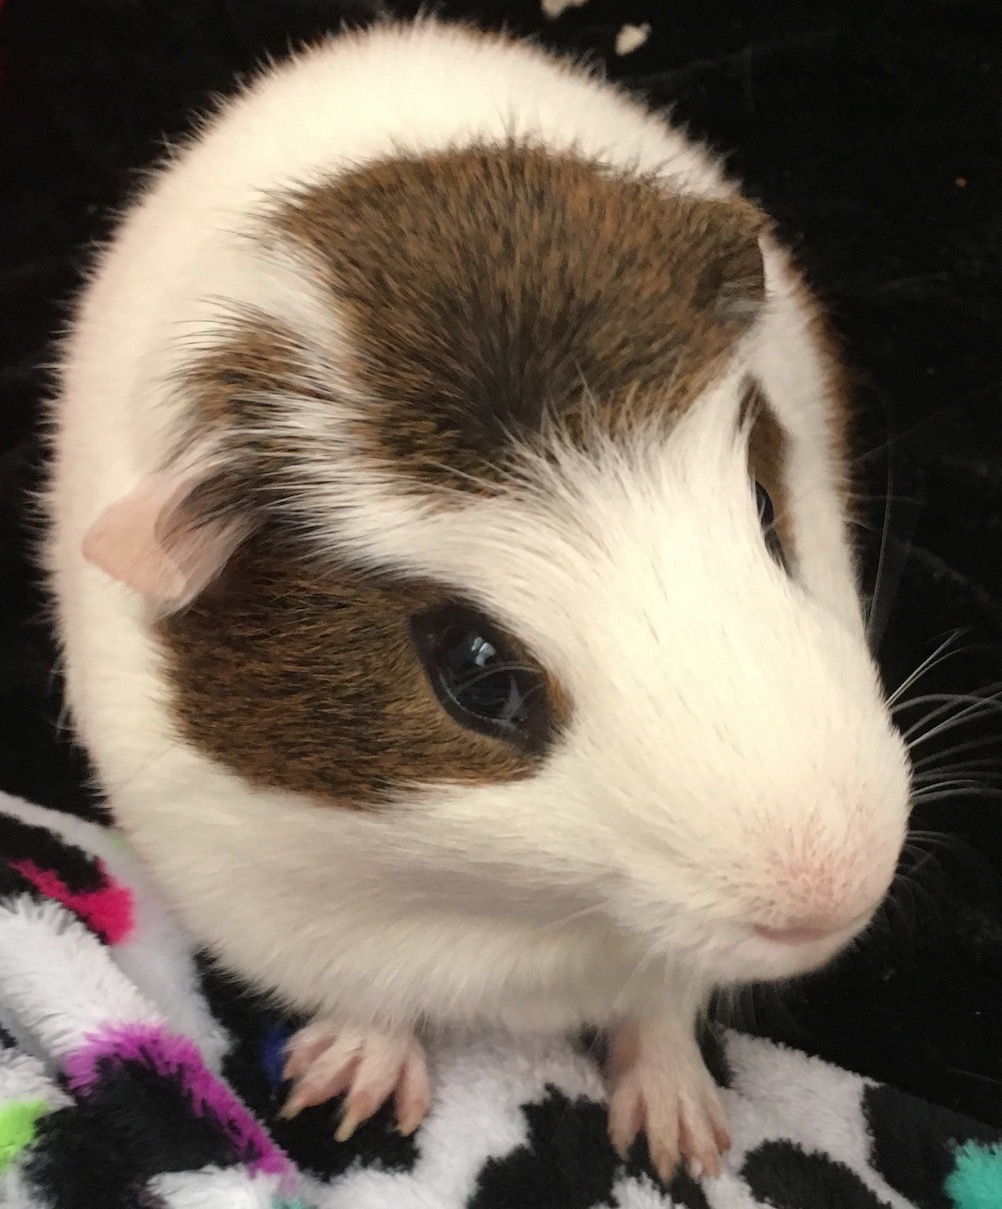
[[479, 679], [767, 519]]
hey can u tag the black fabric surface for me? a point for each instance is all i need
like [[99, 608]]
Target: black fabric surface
[[872, 130]]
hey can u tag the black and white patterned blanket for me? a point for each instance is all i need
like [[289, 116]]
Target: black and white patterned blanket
[[132, 1074]]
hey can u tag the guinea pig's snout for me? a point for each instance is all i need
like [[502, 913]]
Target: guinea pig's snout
[[823, 896]]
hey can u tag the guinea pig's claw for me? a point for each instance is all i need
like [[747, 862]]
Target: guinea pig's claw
[[368, 1067], [351, 1118], [408, 1123], [412, 1097], [667, 1093], [304, 1048], [626, 1120], [292, 1107]]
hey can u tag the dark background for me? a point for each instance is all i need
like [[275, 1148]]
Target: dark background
[[872, 130]]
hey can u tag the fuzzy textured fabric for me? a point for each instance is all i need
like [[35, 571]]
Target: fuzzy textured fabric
[[132, 1074], [870, 129]]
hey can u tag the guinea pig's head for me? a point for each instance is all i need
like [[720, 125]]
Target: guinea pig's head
[[494, 552]]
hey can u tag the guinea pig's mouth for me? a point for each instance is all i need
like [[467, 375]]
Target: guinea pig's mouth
[[784, 952], [739, 948], [737, 951], [810, 934]]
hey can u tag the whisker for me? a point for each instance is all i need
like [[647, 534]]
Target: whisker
[[937, 839], [895, 439], [940, 654], [893, 912], [875, 613], [972, 700], [969, 774], [857, 497], [972, 791], [924, 849], [946, 699], [931, 767], [978, 708], [968, 745], [949, 782], [973, 1074], [908, 883]]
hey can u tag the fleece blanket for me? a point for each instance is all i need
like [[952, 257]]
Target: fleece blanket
[[133, 1075]]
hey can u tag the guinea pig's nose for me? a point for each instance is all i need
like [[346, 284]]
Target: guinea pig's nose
[[821, 890]]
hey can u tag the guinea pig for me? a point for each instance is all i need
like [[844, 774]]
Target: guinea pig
[[450, 544]]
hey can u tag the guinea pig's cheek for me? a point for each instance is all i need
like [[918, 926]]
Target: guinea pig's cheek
[[307, 680]]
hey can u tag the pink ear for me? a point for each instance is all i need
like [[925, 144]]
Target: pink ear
[[141, 541]]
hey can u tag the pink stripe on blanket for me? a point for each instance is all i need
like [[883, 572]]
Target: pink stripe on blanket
[[107, 911], [177, 1059]]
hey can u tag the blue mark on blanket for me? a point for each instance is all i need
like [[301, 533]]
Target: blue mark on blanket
[[976, 1179], [273, 1045]]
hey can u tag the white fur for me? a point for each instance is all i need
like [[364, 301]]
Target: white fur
[[729, 759]]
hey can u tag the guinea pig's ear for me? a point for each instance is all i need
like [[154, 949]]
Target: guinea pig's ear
[[153, 541], [732, 284]]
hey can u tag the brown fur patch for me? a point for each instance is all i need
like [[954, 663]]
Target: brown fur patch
[[233, 385], [253, 355], [308, 680], [486, 289]]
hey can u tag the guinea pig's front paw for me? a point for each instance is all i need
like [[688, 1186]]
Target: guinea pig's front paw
[[370, 1067], [660, 1086]]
